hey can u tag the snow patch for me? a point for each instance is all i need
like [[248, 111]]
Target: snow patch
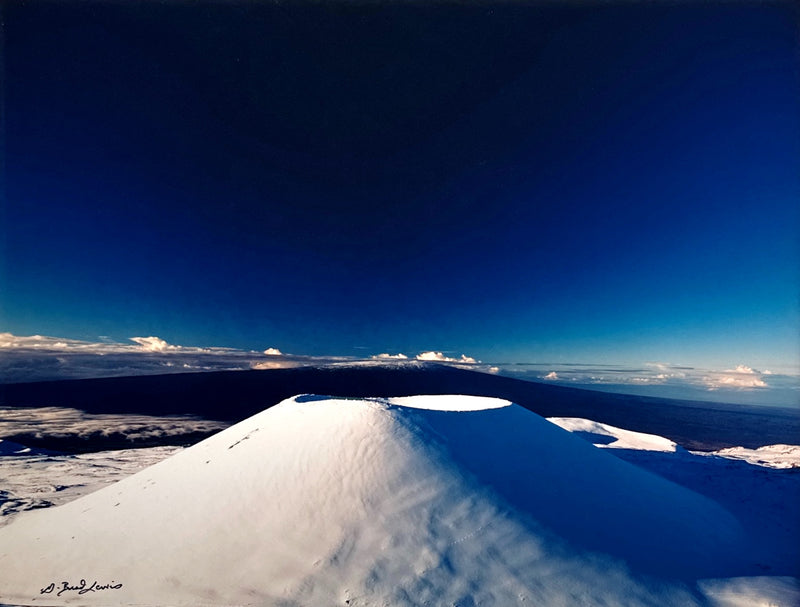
[[604, 435], [449, 402], [770, 456], [32, 481]]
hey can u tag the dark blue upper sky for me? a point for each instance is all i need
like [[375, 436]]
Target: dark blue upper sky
[[514, 181]]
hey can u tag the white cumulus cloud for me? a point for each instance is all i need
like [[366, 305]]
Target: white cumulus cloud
[[387, 356], [153, 344], [440, 357], [273, 352], [432, 356], [552, 375], [741, 378]]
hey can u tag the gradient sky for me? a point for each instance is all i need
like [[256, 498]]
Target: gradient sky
[[519, 182]]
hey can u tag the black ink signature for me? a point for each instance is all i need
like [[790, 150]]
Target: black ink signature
[[81, 588]]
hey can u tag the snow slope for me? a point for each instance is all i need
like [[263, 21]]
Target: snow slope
[[28, 482], [402, 501]]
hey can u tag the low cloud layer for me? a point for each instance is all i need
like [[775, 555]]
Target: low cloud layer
[[741, 377], [440, 357], [278, 363], [38, 358], [739, 384], [64, 421], [63, 428]]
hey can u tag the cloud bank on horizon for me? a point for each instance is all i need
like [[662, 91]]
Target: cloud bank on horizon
[[43, 423], [741, 377], [39, 358]]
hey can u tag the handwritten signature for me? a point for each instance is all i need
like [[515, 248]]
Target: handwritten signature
[[81, 588]]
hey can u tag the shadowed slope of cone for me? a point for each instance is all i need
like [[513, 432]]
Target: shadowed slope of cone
[[321, 501]]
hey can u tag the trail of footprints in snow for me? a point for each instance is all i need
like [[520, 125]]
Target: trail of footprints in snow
[[244, 438], [469, 535]]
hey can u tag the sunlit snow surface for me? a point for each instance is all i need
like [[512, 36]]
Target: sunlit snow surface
[[28, 482], [604, 435], [403, 501], [773, 456]]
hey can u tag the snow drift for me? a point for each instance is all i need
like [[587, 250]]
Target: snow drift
[[402, 501]]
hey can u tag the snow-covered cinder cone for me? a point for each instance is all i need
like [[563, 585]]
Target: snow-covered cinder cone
[[436, 500]]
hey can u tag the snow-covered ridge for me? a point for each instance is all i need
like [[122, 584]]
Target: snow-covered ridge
[[770, 456], [605, 435], [321, 501]]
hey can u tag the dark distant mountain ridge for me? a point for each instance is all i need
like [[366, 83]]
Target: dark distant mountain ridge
[[232, 396]]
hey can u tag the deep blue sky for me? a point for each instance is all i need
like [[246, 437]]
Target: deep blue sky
[[517, 182]]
